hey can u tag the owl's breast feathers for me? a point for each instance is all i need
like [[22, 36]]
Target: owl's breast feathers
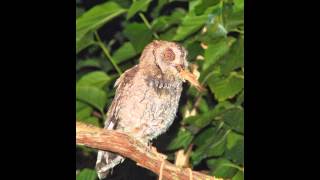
[[145, 103]]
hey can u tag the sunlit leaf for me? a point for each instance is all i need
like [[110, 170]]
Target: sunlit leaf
[[204, 119], [156, 11], [92, 95], [235, 147], [194, 50], [138, 34], [92, 63], [234, 14], [226, 87], [215, 51], [84, 113], [140, 5], [125, 52], [234, 117], [97, 78], [95, 18], [210, 143], [190, 24], [87, 174], [162, 23], [181, 140], [205, 4], [238, 176], [240, 98], [84, 42], [169, 34], [221, 167], [235, 57]]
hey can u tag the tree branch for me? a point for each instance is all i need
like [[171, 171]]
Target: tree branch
[[129, 147]]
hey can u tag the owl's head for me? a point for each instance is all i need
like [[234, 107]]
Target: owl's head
[[169, 57]]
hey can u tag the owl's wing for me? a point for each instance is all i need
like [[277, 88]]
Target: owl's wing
[[107, 160], [122, 84]]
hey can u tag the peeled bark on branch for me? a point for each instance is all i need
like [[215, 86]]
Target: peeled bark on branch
[[128, 147]]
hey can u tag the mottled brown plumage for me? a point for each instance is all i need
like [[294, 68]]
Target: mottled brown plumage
[[147, 97]]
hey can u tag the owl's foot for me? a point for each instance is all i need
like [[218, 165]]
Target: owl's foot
[[159, 155], [163, 159]]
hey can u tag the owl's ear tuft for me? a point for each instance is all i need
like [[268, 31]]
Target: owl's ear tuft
[[168, 54]]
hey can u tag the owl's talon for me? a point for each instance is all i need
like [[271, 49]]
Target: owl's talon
[[159, 155]]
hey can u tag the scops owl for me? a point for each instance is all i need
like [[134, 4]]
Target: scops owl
[[146, 99]]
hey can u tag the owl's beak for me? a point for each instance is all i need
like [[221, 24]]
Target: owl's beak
[[187, 75], [180, 67]]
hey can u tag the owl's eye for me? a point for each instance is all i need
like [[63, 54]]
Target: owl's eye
[[168, 55]]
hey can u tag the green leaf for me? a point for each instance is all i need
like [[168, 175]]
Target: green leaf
[[194, 49], [139, 35], [240, 98], [238, 176], [204, 119], [224, 88], [238, 6], [210, 143], [203, 105], [234, 59], [205, 4], [193, 4], [87, 174], [84, 42], [162, 23], [169, 34], [84, 113], [155, 13], [190, 24], [88, 63], [92, 95], [97, 79], [234, 14], [235, 118], [80, 105], [123, 3], [125, 52], [182, 139], [215, 51], [140, 5], [92, 120], [222, 168], [235, 148], [94, 19]]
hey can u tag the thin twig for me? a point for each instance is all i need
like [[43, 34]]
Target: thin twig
[[106, 52], [146, 22]]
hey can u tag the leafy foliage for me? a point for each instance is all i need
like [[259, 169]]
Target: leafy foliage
[[110, 37]]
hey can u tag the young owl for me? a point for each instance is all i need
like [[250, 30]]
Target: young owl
[[146, 99]]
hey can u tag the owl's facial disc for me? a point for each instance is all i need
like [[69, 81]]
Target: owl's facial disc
[[179, 64], [173, 58]]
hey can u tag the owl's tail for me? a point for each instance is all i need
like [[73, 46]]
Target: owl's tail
[[105, 162]]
